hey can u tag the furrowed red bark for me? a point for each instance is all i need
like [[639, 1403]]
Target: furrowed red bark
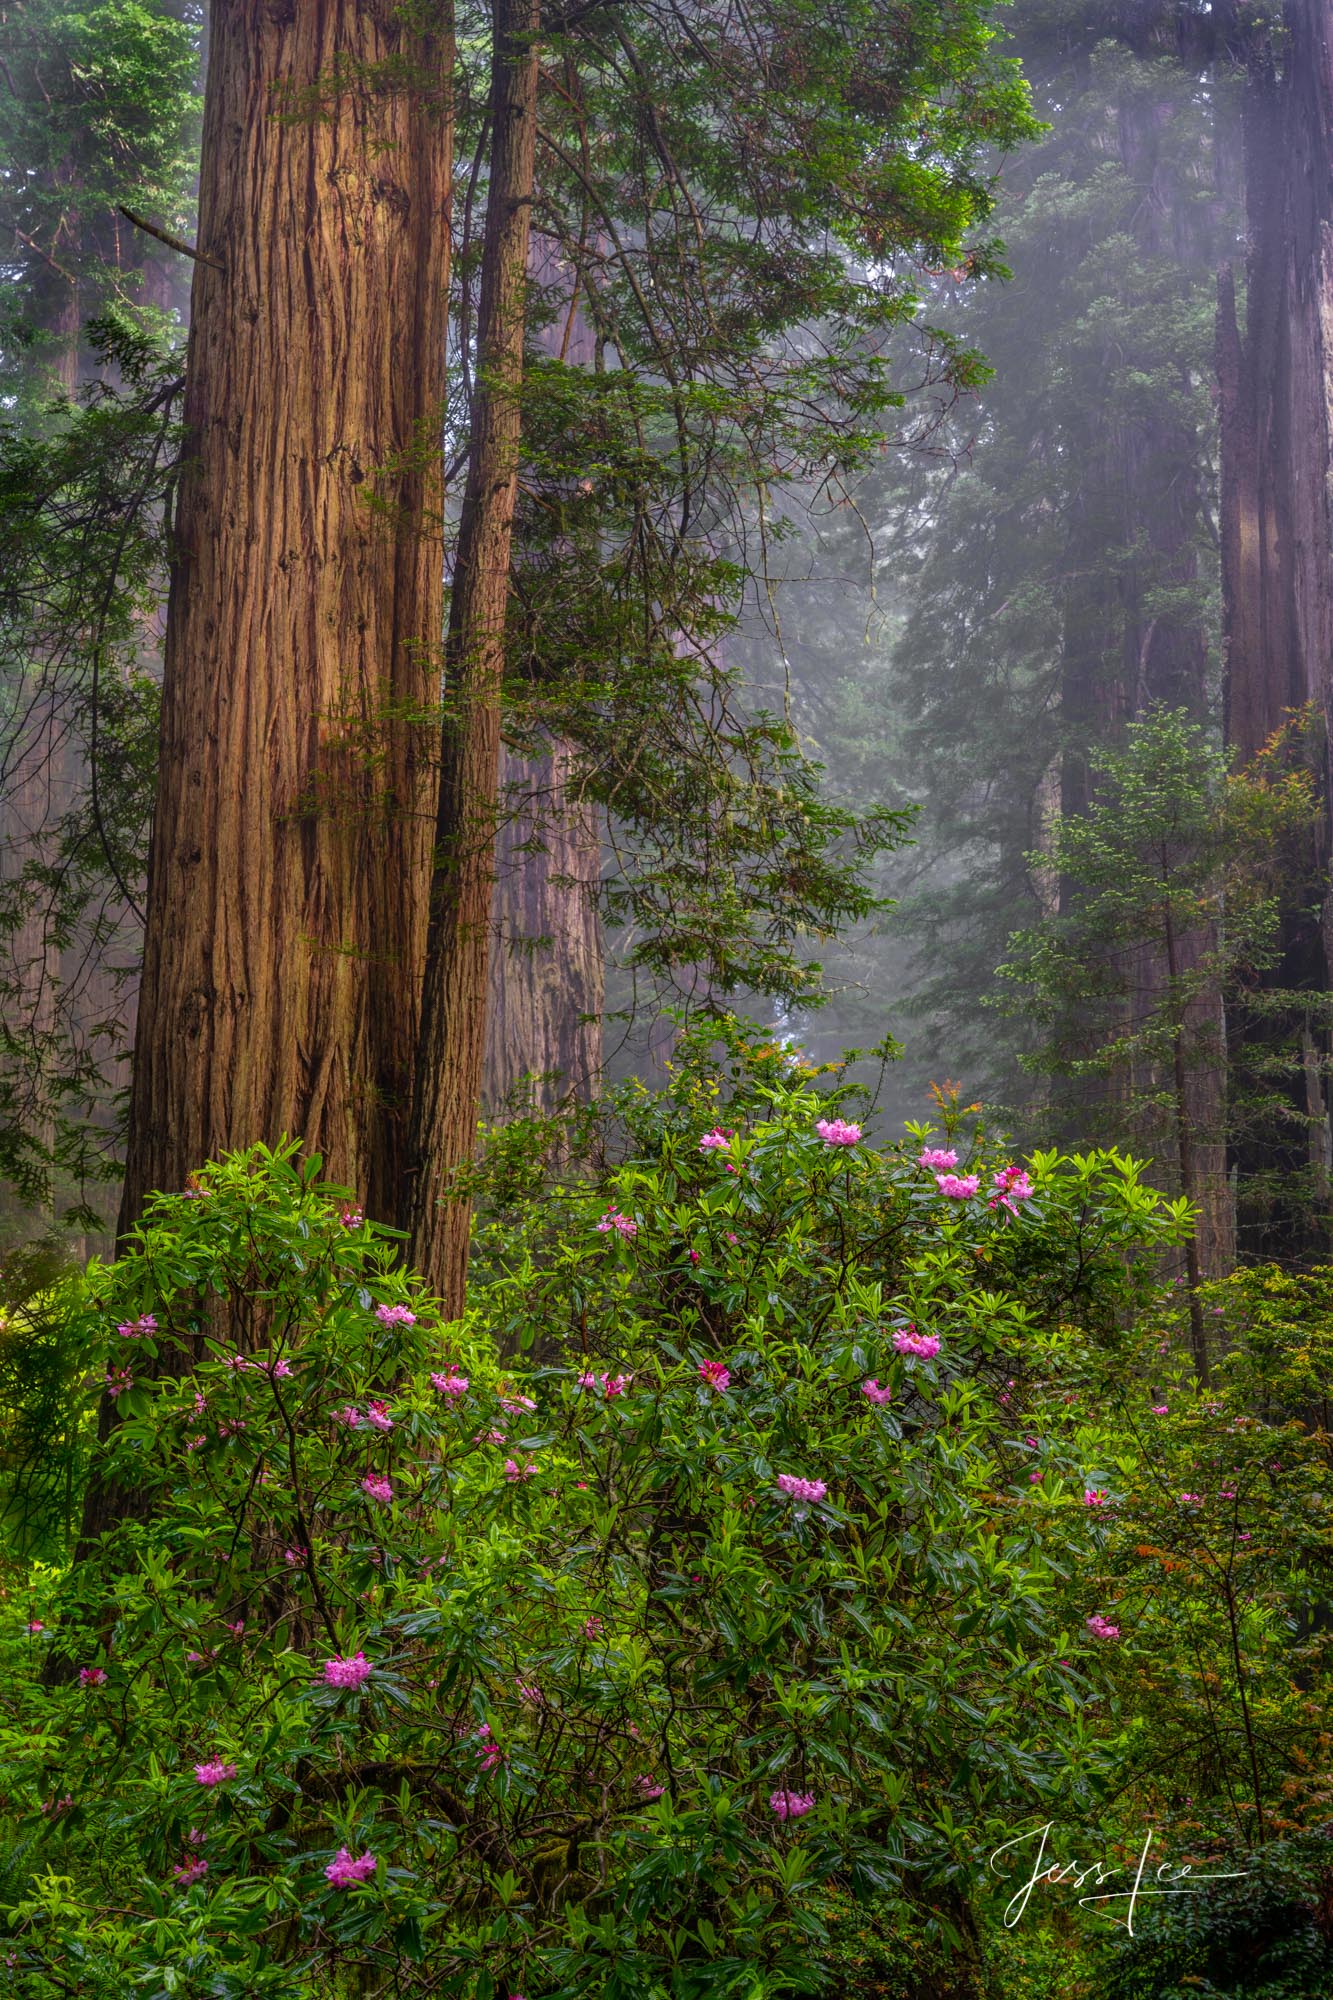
[[286, 909], [451, 1046]]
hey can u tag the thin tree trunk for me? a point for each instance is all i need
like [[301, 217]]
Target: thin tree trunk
[[290, 850], [451, 1046]]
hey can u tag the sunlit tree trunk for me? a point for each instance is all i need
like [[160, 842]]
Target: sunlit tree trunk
[[290, 852]]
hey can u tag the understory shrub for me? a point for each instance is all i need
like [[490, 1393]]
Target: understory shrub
[[745, 1601]]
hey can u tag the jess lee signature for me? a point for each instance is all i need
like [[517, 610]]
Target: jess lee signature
[[1167, 1879]]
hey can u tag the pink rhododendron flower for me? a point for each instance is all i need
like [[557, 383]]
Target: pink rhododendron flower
[[1100, 1627], [349, 1415], [1191, 1499], [232, 1427], [1014, 1186], [1159, 1409], [342, 1871], [958, 1187], [278, 1369], [791, 1805], [294, 1557], [592, 1628], [514, 1471], [1035, 1478], [488, 1750], [350, 1673], [215, 1772], [647, 1789], [351, 1218], [118, 1380], [715, 1375], [837, 1132], [874, 1393], [802, 1489], [36, 1625], [624, 1225], [694, 1256], [134, 1329], [529, 1693], [92, 1677], [908, 1341], [489, 1437], [378, 1489], [616, 1385], [940, 1157], [190, 1872], [377, 1414], [1093, 1496], [395, 1316], [235, 1626], [450, 1384], [714, 1140], [515, 1403]]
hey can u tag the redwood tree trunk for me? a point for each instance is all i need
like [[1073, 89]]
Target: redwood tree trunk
[[286, 909], [1275, 376], [451, 1046], [546, 972]]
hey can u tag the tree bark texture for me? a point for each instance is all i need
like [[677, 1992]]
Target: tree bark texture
[[547, 971], [1275, 381], [546, 974], [452, 1042], [286, 902]]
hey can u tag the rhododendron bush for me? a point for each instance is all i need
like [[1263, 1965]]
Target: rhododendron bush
[[603, 1643]]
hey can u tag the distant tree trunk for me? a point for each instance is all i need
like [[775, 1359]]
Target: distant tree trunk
[[451, 1046], [290, 850], [546, 973], [1275, 377]]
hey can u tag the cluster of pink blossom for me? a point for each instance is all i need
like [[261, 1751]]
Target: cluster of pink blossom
[[395, 1316], [714, 1141], [489, 1752], [528, 1692], [35, 1625], [624, 1225], [715, 1375], [693, 1256], [1014, 1186], [874, 1392], [232, 1427], [294, 1558], [349, 1415], [610, 1385], [908, 1341], [193, 1869], [377, 1488], [489, 1437], [451, 1384], [92, 1677], [347, 1673], [1094, 1496], [791, 1805], [1101, 1628], [515, 1403], [515, 1471], [801, 1489], [647, 1789], [342, 1871], [236, 1626], [837, 1132], [940, 1157], [592, 1628], [351, 1218], [958, 1187], [214, 1772], [1159, 1409], [1191, 1499], [135, 1329], [377, 1416], [118, 1380]]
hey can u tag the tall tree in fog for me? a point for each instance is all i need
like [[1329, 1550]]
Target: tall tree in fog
[[289, 861], [1275, 373]]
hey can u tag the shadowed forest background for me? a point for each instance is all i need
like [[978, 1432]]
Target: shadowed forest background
[[665, 805]]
